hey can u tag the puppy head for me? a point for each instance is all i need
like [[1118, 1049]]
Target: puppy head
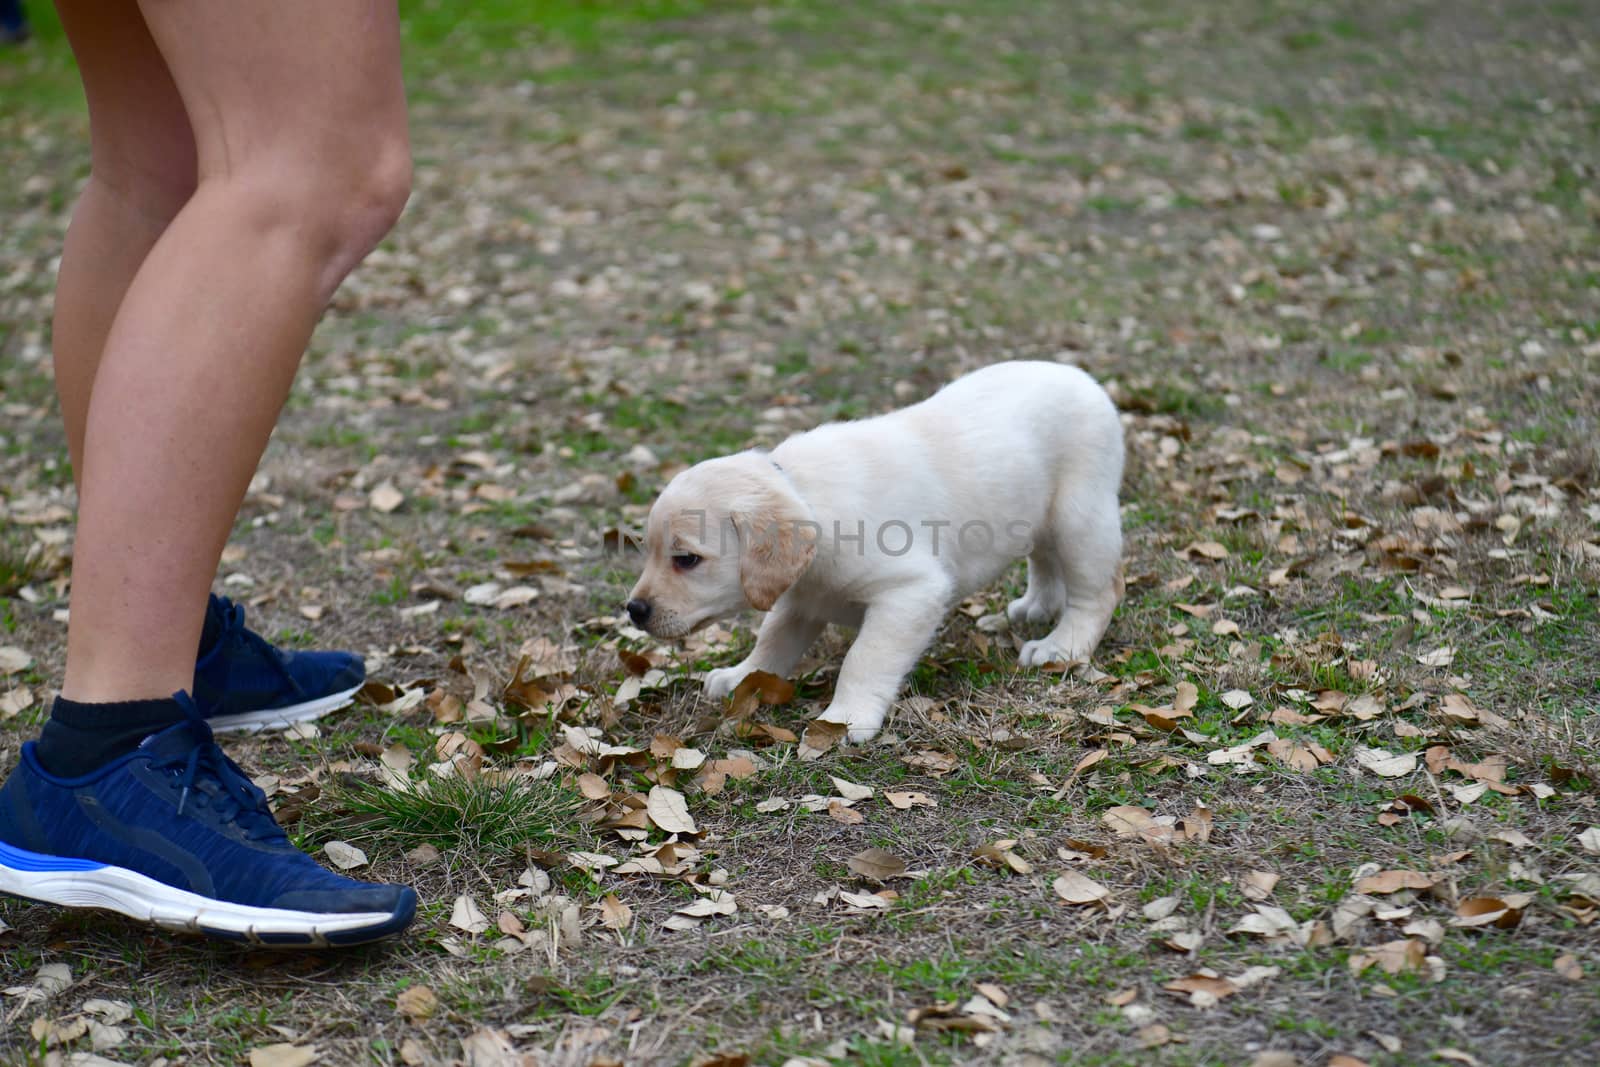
[[724, 534]]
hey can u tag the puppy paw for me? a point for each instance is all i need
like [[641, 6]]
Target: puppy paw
[[1030, 610], [721, 682], [859, 725], [1046, 651]]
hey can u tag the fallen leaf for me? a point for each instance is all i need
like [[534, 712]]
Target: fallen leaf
[[1075, 888], [13, 660], [1258, 885], [284, 1054], [417, 1003], [614, 914], [879, 865], [1393, 957], [1439, 657], [1386, 764], [1153, 1036], [1590, 839], [909, 799], [1212, 986], [1504, 913], [670, 811], [717, 902], [1568, 967], [819, 737], [851, 791], [1394, 881], [386, 498], [1127, 820], [838, 811], [346, 857], [868, 901], [466, 915]]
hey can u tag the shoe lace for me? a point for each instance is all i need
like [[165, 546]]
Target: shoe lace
[[213, 780], [234, 629]]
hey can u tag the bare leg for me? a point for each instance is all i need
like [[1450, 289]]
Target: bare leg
[[783, 639], [894, 633], [143, 172], [298, 115]]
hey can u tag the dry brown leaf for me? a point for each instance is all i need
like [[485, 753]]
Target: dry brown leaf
[[1386, 764], [1196, 826], [878, 865], [838, 812], [614, 914], [932, 762], [284, 1054], [999, 855], [466, 915], [1568, 967], [670, 811], [819, 738], [1503, 912], [1153, 1036], [1394, 881], [417, 1003], [593, 787], [909, 799], [850, 790], [1393, 957], [344, 856], [757, 688], [1258, 885], [1213, 985], [1075, 888], [1128, 820]]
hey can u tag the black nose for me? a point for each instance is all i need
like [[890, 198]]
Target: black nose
[[639, 611]]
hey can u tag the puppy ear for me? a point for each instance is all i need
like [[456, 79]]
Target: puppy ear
[[777, 542]]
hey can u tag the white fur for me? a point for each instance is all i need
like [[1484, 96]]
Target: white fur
[[1024, 444]]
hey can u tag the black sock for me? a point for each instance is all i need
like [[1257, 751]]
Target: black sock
[[78, 738]]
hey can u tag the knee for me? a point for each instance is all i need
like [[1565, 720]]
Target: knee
[[354, 207], [377, 196], [339, 204]]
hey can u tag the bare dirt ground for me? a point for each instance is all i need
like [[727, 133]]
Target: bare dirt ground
[[1331, 789]]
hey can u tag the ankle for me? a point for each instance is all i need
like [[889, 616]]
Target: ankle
[[80, 737]]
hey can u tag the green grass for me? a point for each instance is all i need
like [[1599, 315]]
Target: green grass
[[437, 37], [454, 813]]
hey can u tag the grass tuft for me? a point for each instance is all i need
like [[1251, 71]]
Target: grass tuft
[[479, 816]]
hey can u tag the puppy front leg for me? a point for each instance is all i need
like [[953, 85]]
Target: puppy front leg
[[894, 632], [784, 637]]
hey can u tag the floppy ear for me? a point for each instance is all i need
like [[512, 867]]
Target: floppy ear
[[777, 542]]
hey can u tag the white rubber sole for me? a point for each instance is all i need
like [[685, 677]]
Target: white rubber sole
[[251, 722], [140, 897]]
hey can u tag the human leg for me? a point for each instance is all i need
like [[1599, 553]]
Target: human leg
[[299, 125], [195, 366]]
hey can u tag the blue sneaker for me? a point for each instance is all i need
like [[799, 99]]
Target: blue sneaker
[[244, 684], [173, 833]]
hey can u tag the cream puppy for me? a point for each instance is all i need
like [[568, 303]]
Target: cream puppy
[[883, 524]]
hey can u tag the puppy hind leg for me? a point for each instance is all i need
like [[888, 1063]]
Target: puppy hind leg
[[1046, 597], [783, 639], [1088, 539]]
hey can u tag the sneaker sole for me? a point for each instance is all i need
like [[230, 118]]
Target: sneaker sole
[[250, 722], [76, 883]]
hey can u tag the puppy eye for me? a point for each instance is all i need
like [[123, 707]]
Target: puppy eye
[[687, 561]]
